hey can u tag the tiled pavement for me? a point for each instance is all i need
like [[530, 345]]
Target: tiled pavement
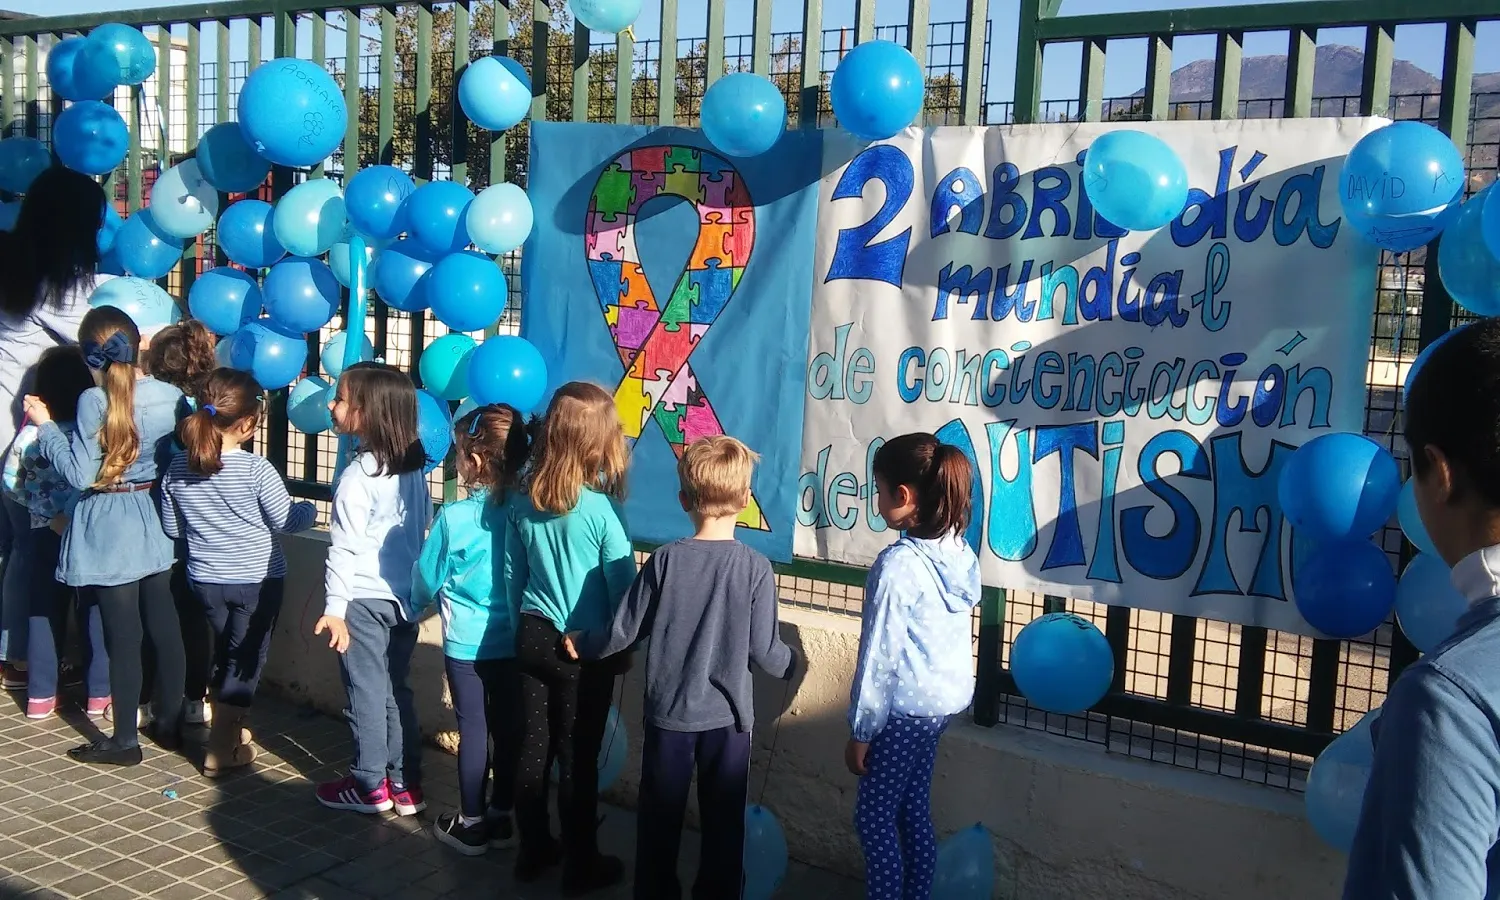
[[160, 830]]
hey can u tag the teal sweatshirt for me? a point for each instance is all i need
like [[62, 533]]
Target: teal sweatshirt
[[570, 569], [457, 570]]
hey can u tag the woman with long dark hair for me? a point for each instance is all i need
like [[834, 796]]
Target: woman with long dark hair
[[48, 268]]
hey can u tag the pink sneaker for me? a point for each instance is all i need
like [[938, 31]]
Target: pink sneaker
[[407, 801], [346, 794], [96, 707], [41, 708]]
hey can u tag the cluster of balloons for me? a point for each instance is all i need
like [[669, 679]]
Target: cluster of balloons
[[90, 135], [1336, 785], [1400, 185], [1062, 663]]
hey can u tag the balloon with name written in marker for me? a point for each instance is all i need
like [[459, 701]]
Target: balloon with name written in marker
[[292, 112]]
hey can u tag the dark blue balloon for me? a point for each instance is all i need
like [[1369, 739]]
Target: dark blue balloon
[[22, 159], [965, 866], [434, 428], [145, 250], [467, 291], [436, 216], [508, 369], [228, 162], [1469, 269], [74, 74], [1339, 487], [109, 229], [1345, 589], [273, 355], [765, 853], [1062, 663], [1400, 185], [877, 90], [246, 234], [300, 294], [224, 299], [375, 201], [399, 273], [110, 264], [90, 137]]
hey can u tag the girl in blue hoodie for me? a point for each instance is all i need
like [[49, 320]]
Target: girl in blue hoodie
[[915, 669], [457, 570]]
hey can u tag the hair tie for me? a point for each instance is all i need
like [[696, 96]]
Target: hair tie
[[210, 409], [116, 349], [474, 425]]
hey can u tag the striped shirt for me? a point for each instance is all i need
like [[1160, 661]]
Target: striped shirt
[[229, 518]]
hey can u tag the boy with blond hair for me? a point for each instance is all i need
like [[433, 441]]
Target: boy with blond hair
[[708, 605]]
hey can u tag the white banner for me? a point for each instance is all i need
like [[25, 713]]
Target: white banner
[[1128, 399]]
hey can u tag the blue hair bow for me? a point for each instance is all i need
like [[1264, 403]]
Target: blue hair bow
[[115, 350]]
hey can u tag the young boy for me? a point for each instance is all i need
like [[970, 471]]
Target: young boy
[[1432, 808], [708, 604]]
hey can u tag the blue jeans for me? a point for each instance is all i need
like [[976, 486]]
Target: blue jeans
[[243, 617], [893, 809], [48, 626], [15, 556], [387, 742]]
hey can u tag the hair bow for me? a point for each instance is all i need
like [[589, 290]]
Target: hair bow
[[116, 349]]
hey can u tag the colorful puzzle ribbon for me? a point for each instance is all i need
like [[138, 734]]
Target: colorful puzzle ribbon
[[655, 340]]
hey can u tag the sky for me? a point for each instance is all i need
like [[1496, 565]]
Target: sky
[[1126, 60]]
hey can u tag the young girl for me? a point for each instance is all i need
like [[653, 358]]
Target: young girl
[[61, 378], [114, 542], [919, 600], [567, 564], [381, 507], [227, 504], [457, 569]]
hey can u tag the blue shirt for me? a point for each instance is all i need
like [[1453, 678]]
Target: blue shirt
[[1430, 825], [570, 569], [457, 570]]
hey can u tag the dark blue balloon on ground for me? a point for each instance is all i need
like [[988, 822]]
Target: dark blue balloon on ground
[[247, 235], [877, 90], [1428, 606], [300, 294], [1336, 785], [467, 291], [134, 56], [965, 866], [1135, 180], [74, 72], [224, 299], [1400, 183], [292, 112], [1062, 663], [1345, 589], [144, 249], [1339, 486], [743, 114], [90, 137], [398, 275], [22, 159], [228, 162], [434, 428], [375, 201], [1470, 271], [273, 355], [436, 216], [508, 369], [495, 93]]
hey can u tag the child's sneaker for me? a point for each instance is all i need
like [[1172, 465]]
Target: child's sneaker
[[502, 827], [13, 677], [346, 794], [407, 800], [40, 708], [97, 707], [196, 712], [470, 840]]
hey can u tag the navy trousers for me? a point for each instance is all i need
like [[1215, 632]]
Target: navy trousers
[[722, 758]]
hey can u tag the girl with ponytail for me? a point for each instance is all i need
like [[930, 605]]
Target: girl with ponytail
[[915, 669], [114, 545]]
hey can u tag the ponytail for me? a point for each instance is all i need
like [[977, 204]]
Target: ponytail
[[228, 398], [938, 474], [951, 491], [498, 435], [111, 345]]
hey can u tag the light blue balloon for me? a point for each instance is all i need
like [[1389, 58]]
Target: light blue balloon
[[436, 214], [1135, 180], [247, 234], [132, 51], [444, 366], [228, 162], [375, 201], [74, 74], [1410, 519], [109, 229], [877, 90], [398, 275], [465, 408], [1400, 184], [224, 352], [1339, 486], [300, 294], [1062, 663], [273, 355], [310, 218], [183, 204], [434, 428], [292, 112], [607, 16], [500, 218], [495, 93], [467, 291], [90, 137], [765, 853], [1336, 784], [145, 250], [332, 357], [1428, 606], [508, 369], [744, 114], [147, 305], [224, 299], [22, 159], [1470, 272], [339, 258], [965, 866], [307, 405], [1345, 589]]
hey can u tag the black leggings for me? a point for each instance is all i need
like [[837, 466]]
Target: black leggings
[[123, 608], [197, 642]]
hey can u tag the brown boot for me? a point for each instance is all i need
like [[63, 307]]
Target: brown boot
[[229, 746]]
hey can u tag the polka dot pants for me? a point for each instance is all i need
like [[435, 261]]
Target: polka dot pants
[[893, 813]]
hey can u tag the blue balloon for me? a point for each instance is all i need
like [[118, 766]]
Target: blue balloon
[[1428, 606], [1339, 486], [145, 250], [183, 204], [224, 352], [607, 16], [109, 263], [1062, 663], [465, 407], [292, 112], [467, 291], [300, 294], [75, 74], [247, 234], [310, 217], [765, 853], [273, 355], [22, 159], [1411, 520], [1134, 180], [500, 218], [877, 90], [339, 259], [1345, 589], [375, 201], [434, 428], [1421, 360], [1336, 785], [1400, 184], [332, 357], [90, 137], [965, 866], [743, 114], [224, 300], [1470, 272], [147, 305], [228, 162], [109, 229], [508, 369], [435, 216], [398, 275], [495, 93], [307, 405], [135, 58], [444, 366]]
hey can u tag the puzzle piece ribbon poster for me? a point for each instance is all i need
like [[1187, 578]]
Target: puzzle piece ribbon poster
[[1128, 399]]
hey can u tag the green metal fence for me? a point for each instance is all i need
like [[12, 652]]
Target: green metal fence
[[1241, 701]]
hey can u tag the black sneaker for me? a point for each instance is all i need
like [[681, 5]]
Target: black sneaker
[[167, 738], [502, 828], [470, 840], [595, 873], [533, 862], [106, 753]]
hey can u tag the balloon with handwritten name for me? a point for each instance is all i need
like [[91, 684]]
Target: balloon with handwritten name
[[1401, 184], [1062, 663]]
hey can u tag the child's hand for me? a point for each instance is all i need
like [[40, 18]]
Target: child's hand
[[338, 632], [854, 757], [569, 644], [36, 410]]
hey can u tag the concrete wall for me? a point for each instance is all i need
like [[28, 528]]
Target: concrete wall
[[1069, 820]]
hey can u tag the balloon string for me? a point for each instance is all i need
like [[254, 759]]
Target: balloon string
[[786, 694]]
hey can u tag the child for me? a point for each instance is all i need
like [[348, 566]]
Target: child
[[1427, 830], [457, 569], [381, 507], [61, 378], [567, 564], [114, 542], [916, 635], [708, 604], [227, 504]]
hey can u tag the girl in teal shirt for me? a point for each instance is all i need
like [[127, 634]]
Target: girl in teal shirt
[[457, 571]]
